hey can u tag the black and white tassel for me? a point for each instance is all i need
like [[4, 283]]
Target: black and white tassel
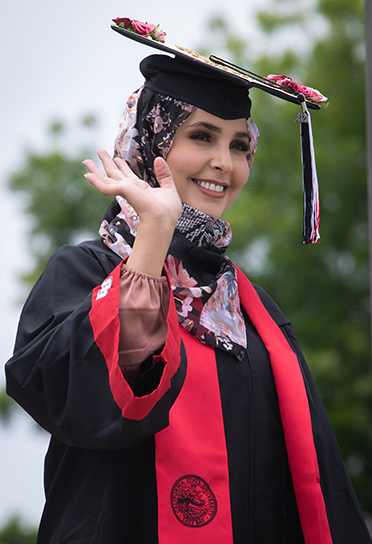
[[310, 186]]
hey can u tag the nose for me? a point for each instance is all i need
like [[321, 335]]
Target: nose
[[222, 160]]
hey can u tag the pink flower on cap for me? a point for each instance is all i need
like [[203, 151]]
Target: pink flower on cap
[[123, 22], [308, 92], [158, 35], [143, 29]]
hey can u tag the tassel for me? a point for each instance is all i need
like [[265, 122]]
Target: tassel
[[310, 186]]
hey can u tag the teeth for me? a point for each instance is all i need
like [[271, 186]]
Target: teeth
[[210, 186]]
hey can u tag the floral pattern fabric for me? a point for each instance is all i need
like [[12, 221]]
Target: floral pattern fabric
[[203, 279], [147, 130]]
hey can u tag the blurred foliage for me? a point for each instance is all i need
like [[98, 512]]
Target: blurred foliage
[[63, 206], [14, 532], [324, 288], [7, 406]]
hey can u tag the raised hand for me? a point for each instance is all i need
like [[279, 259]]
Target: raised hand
[[158, 208], [152, 204]]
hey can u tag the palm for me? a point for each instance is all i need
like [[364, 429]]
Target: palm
[[150, 203]]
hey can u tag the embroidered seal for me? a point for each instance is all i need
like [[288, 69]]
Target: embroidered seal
[[193, 502]]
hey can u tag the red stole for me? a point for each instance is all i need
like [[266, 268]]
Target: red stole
[[295, 414], [191, 457]]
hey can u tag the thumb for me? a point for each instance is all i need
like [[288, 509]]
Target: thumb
[[163, 173]]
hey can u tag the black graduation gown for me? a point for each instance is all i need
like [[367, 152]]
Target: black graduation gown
[[100, 473]]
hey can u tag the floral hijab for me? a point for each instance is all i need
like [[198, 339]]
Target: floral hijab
[[202, 278], [147, 130]]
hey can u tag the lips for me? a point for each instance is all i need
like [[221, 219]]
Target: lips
[[210, 186]]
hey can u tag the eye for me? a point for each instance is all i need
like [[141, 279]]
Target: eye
[[240, 145], [200, 135]]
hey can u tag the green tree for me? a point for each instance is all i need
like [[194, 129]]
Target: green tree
[[15, 532], [63, 206], [323, 288], [7, 406]]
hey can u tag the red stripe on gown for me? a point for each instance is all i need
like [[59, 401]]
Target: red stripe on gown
[[295, 414], [105, 322], [191, 458]]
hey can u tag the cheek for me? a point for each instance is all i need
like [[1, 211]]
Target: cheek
[[241, 175], [176, 160], [184, 162], [177, 164]]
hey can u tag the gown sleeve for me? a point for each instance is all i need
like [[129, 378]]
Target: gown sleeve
[[65, 369], [143, 308]]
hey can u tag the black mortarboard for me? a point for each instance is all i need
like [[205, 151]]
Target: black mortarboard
[[192, 83], [210, 70], [221, 88]]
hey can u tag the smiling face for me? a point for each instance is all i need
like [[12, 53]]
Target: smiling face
[[209, 161]]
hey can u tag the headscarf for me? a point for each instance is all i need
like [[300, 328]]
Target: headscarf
[[202, 278], [147, 130]]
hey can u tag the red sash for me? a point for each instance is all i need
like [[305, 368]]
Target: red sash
[[295, 414], [191, 457]]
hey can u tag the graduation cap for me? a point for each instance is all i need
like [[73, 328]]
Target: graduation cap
[[222, 89]]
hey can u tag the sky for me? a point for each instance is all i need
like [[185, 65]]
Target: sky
[[62, 60]]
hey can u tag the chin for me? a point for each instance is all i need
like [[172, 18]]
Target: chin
[[208, 210]]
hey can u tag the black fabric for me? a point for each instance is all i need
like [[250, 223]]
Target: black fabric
[[100, 477], [260, 479], [198, 85]]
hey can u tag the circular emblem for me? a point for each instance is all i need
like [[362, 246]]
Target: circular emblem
[[193, 501]]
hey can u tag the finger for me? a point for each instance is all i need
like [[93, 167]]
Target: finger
[[109, 165], [163, 173], [92, 178], [124, 167], [101, 184], [93, 168]]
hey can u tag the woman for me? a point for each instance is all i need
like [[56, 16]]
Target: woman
[[179, 404]]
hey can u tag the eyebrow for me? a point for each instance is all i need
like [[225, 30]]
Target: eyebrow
[[214, 128]]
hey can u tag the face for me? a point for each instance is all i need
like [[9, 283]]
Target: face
[[208, 161]]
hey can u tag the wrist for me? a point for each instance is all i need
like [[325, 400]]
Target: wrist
[[150, 248], [162, 224]]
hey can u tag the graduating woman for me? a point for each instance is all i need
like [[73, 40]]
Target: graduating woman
[[180, 406]]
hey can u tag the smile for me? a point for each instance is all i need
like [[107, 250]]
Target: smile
[[210, 186]]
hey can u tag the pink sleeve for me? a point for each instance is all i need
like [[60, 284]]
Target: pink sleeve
[[143, 308]]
